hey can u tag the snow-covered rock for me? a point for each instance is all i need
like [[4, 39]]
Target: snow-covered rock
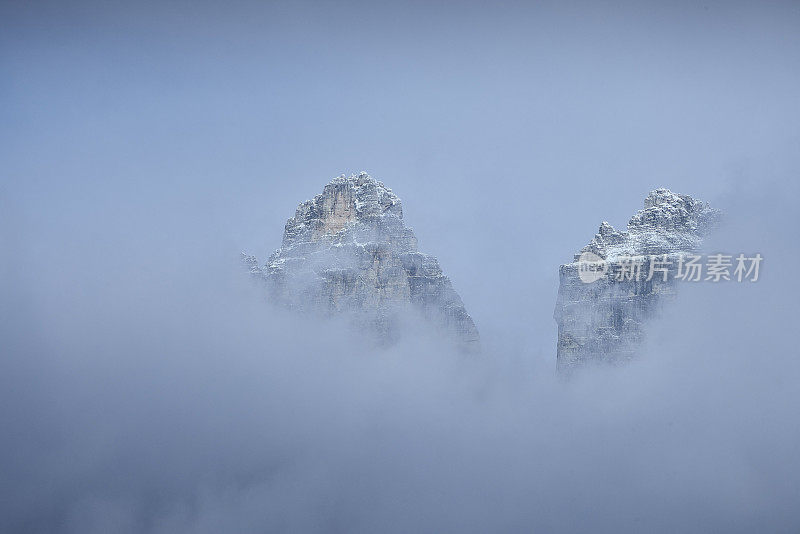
[[347, 251], [603, 320]]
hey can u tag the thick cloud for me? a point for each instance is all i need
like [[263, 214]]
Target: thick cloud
[[177, 400]]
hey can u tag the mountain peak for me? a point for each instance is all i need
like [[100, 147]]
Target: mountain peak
[[603, 318], [348, 251], [668, 222], [343, 203]]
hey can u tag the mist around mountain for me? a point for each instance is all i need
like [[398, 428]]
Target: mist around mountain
[[175, 400]]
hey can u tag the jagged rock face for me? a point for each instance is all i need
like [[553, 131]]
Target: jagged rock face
[[603, 321], [348, 251]]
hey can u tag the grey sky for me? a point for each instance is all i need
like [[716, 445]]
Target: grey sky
[[142, 147]]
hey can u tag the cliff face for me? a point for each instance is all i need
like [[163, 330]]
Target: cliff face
[[348, 251], [605, 297]]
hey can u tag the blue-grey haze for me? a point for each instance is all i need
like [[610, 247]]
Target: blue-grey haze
[[145, 386]]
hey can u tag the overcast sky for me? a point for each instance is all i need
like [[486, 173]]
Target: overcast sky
[[145, 387]]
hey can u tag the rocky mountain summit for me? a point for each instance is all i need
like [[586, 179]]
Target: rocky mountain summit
[[348, 251], [619, 280]]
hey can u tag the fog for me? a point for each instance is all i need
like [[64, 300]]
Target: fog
[[146, 385]]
